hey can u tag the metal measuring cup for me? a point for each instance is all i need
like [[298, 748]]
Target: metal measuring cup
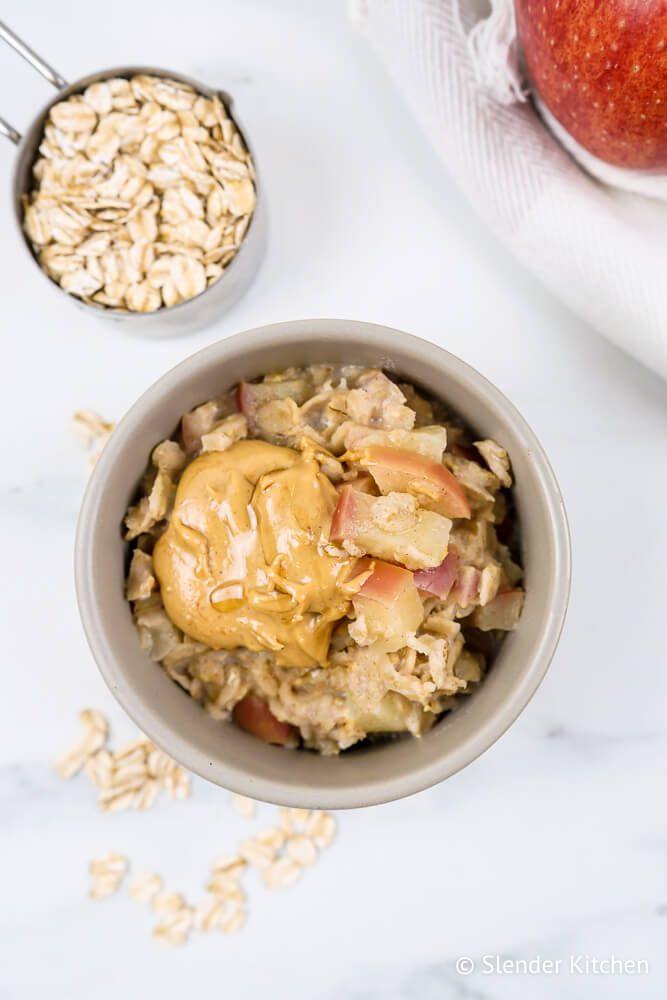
[[186, 316]]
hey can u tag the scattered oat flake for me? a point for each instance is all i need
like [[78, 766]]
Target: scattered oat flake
[[282, 874], [98, 769], [134, 749], [144, 886], [70, 764], [168, 934], [107, 874], [93, 431], [176, 926], [146, 795], [159, 763], [321, 827], [164, 902], [117, 801], [110, 864], [256, 853], [272, 837], [294, 819], [244, 806], [103, 887], [302, 850], [95, 721], [231, 864], [207, 915], [233, 921], [178, 783], [226, 887], [94, 737]]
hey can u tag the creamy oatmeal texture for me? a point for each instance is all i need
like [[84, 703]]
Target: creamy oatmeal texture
[[317, 556]]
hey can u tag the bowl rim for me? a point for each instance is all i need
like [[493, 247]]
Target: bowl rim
[[235, 777]]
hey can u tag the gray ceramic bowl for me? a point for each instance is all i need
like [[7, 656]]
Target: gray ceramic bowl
[[218, 750]]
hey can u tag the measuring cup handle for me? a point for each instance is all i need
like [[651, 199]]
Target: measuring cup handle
[[37, 63], [11, 133]]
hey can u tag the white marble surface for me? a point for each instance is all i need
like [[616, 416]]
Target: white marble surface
[[555, 842]]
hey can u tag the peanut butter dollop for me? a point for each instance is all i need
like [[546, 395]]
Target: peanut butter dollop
[[242, 562]]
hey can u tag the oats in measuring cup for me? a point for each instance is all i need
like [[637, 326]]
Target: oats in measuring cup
[[144, 191]]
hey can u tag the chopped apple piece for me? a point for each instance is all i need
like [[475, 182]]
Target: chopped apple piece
[[363, 520], [394, 469], [251, 395], [347, 512], [203, 419], [427, 441], [394, 714], [439, 580], [466, 588], [386, 582], [387, 606], [254, 716], [378, 402], [490, 582], [503, 612], [365, 483]]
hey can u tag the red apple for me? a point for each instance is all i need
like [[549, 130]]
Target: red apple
[[503, 612], [254, 716], [436, 488], [421, 545], [439, 580], [387, 606], [600, 68]]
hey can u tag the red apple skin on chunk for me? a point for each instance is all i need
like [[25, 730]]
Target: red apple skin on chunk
[[601, 70], [253, 715], [343, 520], [419, 547], [439, 580], [386, 582], [466, 586], [436, 488], [503, 612], [388, 603]]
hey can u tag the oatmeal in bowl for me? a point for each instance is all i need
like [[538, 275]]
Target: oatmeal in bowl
[[325, 555], [311, 536]]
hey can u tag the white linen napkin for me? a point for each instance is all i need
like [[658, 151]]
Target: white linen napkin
[[603, 250]]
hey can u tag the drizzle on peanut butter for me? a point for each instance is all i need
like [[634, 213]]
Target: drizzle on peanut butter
[[242, 562]]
